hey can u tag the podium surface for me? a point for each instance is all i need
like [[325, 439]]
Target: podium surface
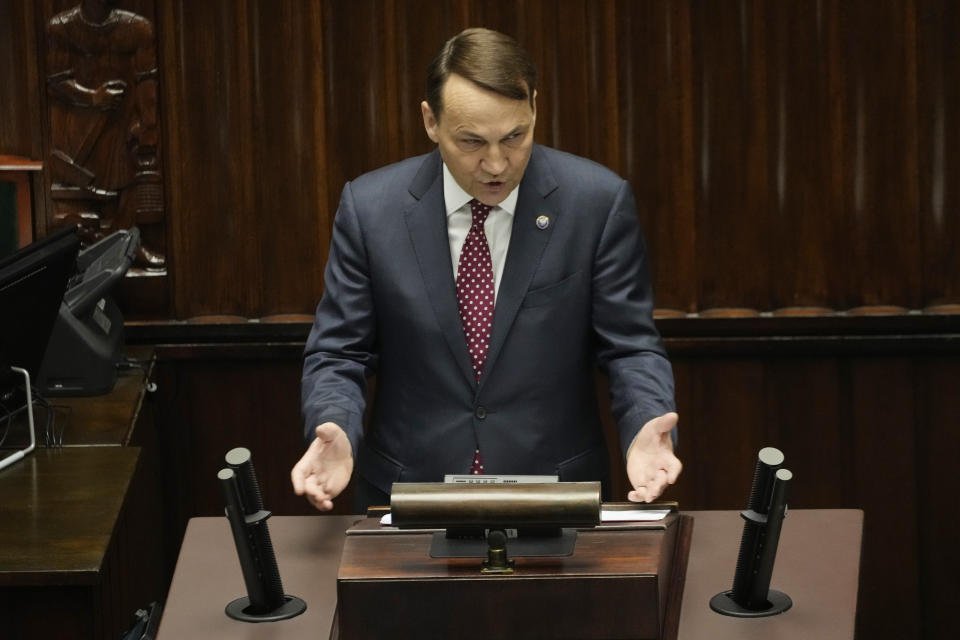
[[817, 565]]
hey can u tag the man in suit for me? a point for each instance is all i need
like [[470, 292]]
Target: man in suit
[[469, 379]]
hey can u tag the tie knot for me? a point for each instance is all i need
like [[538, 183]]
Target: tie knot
[[479, 211]]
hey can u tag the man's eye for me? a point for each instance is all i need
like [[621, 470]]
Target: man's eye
[[471, 143]]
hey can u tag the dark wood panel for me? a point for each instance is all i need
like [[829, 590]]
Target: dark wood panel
[[882, 411], [732, 146], [20, 125], [289, 154], [207, 100], [875, 44], [567, 122], [802, 155], [938, 116], [938, 522], [248, 139], [803, 405], [421, 27], [362, 130], [723, 425], [652, 136], [209, 405], [783, 153]]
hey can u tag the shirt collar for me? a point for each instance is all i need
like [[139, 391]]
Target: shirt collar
[[455, 197]]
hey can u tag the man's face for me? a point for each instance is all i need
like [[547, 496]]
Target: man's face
[[484, 138]]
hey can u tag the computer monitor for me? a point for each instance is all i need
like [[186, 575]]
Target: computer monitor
[[33, 281]]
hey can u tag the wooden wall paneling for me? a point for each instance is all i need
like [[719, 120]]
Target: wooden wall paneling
[[802, 67], [422, 27], [176, 456], [883, 410], [724, 427], [937, 428], [879, 135], [734, 258], [20, 122], [289, 159], [802, 406], [22, 125], [602, 85], [206, 407], [223, 398], [654, 137], [361, 93], [781, 151], [532, 23], [938, 116], [256, 406], [524, 20], [568, 107], [215, 237]]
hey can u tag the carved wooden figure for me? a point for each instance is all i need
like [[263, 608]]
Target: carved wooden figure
[[104, 159]]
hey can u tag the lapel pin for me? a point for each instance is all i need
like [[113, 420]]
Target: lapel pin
[[543, 222]]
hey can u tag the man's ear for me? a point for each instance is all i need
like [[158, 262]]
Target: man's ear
[[430, 123]]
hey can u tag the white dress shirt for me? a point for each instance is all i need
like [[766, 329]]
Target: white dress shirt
[[497, 228]]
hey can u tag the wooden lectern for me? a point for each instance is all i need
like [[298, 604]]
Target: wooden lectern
[[623, 580]]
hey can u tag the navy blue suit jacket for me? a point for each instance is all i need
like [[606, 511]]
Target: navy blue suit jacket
[[573, 295]]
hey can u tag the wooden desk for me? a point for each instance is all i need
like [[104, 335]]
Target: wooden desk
[[61, 534], [817, 565], [79, 525], [611, 571], [109, 419]]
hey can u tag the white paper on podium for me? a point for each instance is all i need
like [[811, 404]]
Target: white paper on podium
[[631, 515]]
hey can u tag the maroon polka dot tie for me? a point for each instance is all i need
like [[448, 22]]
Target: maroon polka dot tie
[[475, 295]]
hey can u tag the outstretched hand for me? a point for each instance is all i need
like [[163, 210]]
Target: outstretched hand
[[651, 464], [324, 470]]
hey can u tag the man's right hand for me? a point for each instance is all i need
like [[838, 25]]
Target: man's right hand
[[324, 470]]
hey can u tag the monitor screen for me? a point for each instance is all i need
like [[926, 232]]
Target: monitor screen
[[32, 284]]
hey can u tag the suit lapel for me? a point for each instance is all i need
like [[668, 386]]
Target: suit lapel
[[527, 243], [427, 224]]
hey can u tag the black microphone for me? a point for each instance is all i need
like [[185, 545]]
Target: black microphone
[[751, 595], [265, 600]]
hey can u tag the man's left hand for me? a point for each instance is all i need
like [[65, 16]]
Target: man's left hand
[[651, 465]]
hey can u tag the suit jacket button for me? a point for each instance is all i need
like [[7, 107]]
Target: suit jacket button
[[480, 412]]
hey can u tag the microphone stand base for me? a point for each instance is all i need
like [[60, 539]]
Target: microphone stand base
[[292, 606], [777, 602]]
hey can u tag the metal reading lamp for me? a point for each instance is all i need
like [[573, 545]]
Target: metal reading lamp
[[479, 520]]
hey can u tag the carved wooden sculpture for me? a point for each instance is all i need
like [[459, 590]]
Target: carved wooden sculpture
[[103, 125]]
